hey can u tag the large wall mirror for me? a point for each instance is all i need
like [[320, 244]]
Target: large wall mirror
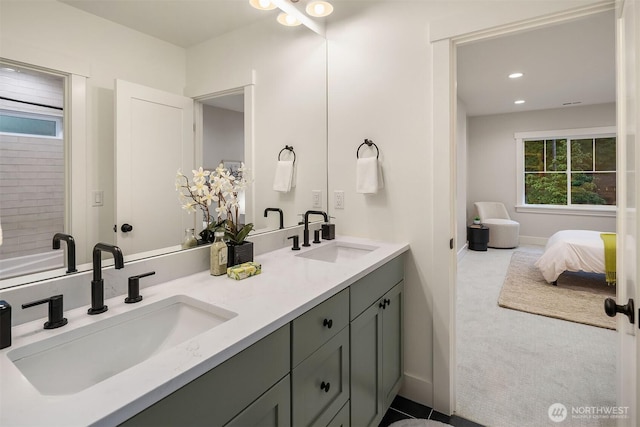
[[255, 89]]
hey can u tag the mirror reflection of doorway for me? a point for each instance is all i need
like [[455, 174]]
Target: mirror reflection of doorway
[[223, 136]]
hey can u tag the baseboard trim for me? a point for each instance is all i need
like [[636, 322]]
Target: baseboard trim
[[417, 390], [463, 251]]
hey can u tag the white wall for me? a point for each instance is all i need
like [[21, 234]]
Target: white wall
[[223, 136], [46, 32], [492, 163], [379, 89]]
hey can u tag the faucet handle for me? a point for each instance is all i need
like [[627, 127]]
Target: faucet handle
[[55, 311], [296, 242], [134, 288]]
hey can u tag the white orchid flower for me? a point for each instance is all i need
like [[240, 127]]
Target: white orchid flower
[[198, 187], [189, 207], [200, 174], [208, 197]]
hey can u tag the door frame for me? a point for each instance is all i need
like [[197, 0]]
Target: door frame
[[445, 36]]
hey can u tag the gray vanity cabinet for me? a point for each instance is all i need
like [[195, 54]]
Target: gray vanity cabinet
[[272, 409], [376, 342], [320, 361], [227, 391], [337, 365]]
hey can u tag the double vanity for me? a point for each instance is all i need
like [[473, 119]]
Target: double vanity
[[315, 339]]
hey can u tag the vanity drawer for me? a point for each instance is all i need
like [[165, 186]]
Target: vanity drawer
[[367, 290], [219, 395], [318, 325], [320, 384]]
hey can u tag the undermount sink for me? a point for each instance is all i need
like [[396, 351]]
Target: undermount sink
[[338, 252], [75, 360]]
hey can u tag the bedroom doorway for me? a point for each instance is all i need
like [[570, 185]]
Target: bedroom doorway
[[513, 361]]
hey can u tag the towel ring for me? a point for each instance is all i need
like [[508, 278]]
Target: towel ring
[[289, 148], [369, 143]]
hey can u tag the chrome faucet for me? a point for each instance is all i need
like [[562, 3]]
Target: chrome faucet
[[97, 284], [306, 224], [267, 210], [71, 249]]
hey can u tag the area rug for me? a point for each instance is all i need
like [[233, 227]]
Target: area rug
[[579, 297]]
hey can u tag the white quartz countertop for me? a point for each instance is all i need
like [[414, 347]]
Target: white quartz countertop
[[288, 286]]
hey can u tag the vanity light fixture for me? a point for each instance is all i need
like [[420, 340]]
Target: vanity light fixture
[[519, 101], [262, 4], [319, 8], [515, 75], [288, 20]]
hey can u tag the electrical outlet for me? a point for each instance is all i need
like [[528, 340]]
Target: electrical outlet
[[338, 199], [316, 198]]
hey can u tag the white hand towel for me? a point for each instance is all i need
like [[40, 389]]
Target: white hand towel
[[294, 175], [284, 175], [367, 175]]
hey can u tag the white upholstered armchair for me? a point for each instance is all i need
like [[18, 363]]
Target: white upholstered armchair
[[503, 232]]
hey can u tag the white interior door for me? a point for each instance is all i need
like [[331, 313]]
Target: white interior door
[[628, 285], [154, 138]]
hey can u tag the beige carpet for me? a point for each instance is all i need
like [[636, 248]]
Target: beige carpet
[[579, 297]]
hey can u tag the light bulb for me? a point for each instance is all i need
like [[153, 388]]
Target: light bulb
[[319, 8], [288, 20], [262, 4], [515, 75]]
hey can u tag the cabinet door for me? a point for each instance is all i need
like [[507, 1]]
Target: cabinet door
[[342, 419], [392, 364], [366, 368], [272, 409], [320, 384]]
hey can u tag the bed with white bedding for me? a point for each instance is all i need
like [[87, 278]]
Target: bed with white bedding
[[572, 250]]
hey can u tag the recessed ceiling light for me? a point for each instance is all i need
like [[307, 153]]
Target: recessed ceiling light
[[288, 20], [519, 101], [515, 75]]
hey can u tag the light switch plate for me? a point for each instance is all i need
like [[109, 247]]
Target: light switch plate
[[97, 198], [338, 199], [317, 198]]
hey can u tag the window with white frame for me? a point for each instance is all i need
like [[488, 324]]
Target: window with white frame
[[567, 169]]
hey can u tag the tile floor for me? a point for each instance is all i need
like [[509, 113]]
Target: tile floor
[[402, 408]]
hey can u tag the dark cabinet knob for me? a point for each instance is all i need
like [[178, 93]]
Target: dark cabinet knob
[[325, 386], [328, 323], [611, 308], [126, 228]]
